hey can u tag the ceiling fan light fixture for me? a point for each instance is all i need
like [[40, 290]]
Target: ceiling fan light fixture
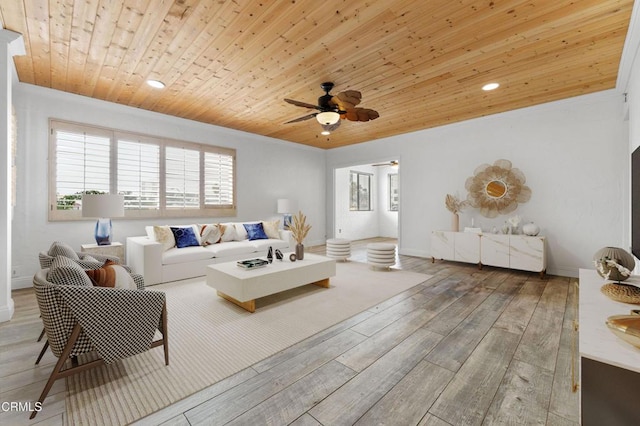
[[157, 84], [328, 118], [490, 86]]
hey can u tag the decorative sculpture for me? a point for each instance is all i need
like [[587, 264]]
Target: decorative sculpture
[[497, 189]]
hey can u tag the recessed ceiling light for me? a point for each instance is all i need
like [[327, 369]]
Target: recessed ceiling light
[[155, 83], [325, 132], [490, 86]]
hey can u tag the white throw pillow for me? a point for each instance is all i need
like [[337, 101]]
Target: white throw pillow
[[210, 234], [272, 229], [164, 236], [228, 232]]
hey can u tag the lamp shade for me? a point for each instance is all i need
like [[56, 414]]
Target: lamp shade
[[285, 206], [102, 205], [328, 117]]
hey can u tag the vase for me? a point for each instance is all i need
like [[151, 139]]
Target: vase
[[455, 222], [299, 251], [618, 255], [531, 229]]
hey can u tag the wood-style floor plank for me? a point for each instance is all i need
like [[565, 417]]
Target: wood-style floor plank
[[523, 396], [352, 400], [367, 352], [408, 401], [286, 406], [454, 349], [229, 405], [468, 396], [541, 339]]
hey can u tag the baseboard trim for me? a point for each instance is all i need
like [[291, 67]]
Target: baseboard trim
[[21, 282], [412, 252]]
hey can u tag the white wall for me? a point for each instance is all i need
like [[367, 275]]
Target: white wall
[[574, 154], [357, 225], [267, 169], [387, 220]]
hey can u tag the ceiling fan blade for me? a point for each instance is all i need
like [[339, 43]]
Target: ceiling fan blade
[[348, 99], [301, 104], [361, 114], [390, 163], [306, 117]]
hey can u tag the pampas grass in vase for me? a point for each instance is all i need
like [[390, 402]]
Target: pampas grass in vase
[[299, 230]]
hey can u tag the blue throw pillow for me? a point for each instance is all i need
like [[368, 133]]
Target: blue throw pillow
[[185, 237], [255, 231]]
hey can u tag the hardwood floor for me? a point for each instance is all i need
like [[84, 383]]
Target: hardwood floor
[[466, 347]]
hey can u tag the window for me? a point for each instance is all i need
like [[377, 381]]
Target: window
[[158, 177], [393, 192], [360, 191]]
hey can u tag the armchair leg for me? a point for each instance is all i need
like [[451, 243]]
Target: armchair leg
[[42, 352], [55, 374], [165, 334], [41, 334], [164, 330]]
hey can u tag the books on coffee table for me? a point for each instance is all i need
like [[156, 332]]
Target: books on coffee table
[[252, 263]]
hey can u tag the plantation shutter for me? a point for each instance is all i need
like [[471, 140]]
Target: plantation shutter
[[139, 174], [182, 178], [218, 179], [82, 165]]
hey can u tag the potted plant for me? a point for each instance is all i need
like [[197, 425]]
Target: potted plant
[[299, 230], [455, 206]]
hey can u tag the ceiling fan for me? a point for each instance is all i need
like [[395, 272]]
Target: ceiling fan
[[392, 163], [332, 108]]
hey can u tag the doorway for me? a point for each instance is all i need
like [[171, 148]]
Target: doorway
[[367, 201]]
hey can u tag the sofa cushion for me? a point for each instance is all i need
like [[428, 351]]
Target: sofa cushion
[[186, 254], [255, 231], [263, 245], [185, 236], [232, 248]]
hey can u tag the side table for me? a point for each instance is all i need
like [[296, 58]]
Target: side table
[[113, 249]]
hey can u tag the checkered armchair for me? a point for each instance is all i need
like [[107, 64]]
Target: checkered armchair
[[87, 261], [113, 323], [92, 261]]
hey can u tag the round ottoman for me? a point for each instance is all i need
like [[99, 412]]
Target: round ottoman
[[338, 248], [381, 255]]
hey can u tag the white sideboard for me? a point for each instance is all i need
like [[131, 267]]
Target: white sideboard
[[505, 251], [609, 366]]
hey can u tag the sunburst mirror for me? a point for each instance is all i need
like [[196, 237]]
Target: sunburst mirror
[[497, 189]]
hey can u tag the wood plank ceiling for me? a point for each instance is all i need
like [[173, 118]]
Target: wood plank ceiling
[[231, 63]]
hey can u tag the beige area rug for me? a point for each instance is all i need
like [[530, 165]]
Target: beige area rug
[[210, 339]]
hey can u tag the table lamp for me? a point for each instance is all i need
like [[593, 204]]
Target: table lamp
[[286, 207], [104, 207]]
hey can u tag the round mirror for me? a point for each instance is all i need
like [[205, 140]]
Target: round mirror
[[496, 189]]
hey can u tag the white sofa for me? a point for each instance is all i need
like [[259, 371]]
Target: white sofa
[[147, 257]]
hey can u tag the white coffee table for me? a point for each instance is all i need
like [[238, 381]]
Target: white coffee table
[[244, 286]]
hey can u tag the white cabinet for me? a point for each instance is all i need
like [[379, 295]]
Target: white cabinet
[[527, 253], [459, 246], [495, 250], [609, 366], [442, 245], [466, 247], [505, 251]]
